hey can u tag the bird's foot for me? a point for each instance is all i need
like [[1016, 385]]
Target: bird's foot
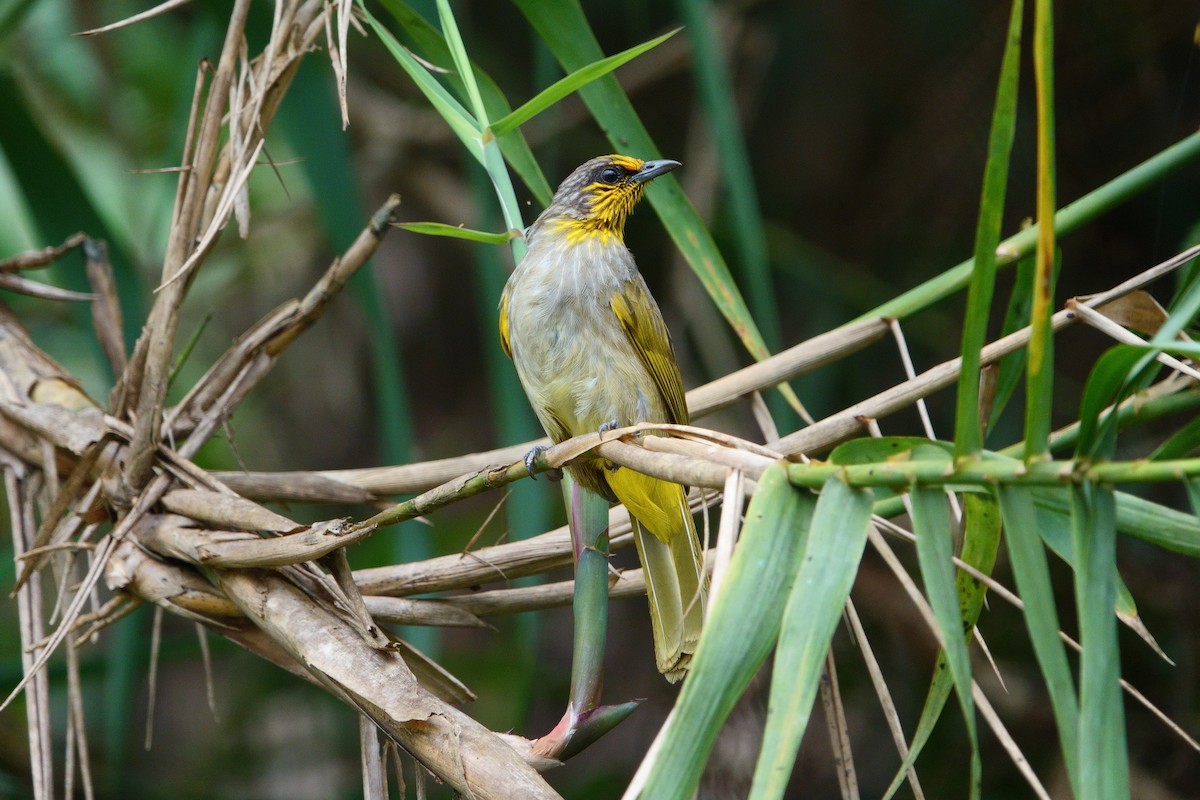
[[531, 462], [611, 425]]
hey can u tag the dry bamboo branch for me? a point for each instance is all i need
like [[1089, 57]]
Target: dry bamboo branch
[[158, 339], [256, 351], [355, 485], [378, 683]]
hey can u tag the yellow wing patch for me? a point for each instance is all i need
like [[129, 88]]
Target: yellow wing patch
[[504, 344], [643, 324]]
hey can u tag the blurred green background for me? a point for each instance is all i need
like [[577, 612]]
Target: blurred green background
[[865, 125]]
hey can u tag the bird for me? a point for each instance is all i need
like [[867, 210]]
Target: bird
[[592, 352]]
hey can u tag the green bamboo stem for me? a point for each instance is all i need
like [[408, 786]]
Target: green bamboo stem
[[994, 472]]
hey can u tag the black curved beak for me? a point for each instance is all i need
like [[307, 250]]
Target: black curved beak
[[652, 169]]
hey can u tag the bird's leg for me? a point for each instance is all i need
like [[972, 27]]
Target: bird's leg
[[585, 720], [531, 457]]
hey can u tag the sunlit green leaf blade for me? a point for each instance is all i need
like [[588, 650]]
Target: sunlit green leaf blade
[[565, 86], [741, 629], [831, 557], [458, 52], [458, 118], [935, 550], [516, 150], [455, 232]]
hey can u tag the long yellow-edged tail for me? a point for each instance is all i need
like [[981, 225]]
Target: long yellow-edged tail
[[673, 563]]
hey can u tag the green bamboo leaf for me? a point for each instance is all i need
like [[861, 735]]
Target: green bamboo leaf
[[564, 28], [431, 42], [565, 86], [469, 129], [1193, 490], [1103, 758], [1154, 523], [814, 606], [718, 99], [935, 550], [529, 509], [871, 450], [741, 629], [1054, 526], [455, 232], [1039, 382], [1032, 574], [1118, 373], [465, 126], [968, 434], [458, 52], [981, 540], [1183, 442], [1184, 308], [1127, 369], [1012, 366]]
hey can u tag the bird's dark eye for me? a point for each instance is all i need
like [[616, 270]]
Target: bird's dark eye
[[610, 174]]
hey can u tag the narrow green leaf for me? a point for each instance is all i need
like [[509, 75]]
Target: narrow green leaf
[[1182, 443], [1193, 491], [431, 42], [741, 629], [564, 28], [458, 118], [1012, 366], [468, 128], [1039, 382], [719, 102], [1157, 524], [1032, 574], [455, 232], [1184, 308], [831, 558], [935, 550], [1122, 370], [493, 162], [1103, 758], [968, 434], [458, 52], [868, 450], [565, 86], [981, 540]]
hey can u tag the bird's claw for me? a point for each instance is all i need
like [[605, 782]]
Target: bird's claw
[[553, 473], [531, 458], [611, 425]]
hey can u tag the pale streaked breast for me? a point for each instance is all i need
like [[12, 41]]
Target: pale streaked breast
[[570, 351]]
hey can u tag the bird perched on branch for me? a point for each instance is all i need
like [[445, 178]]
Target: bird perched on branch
[[592, 351]]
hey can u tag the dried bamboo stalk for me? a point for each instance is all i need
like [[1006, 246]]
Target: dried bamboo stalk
[[450, 744]]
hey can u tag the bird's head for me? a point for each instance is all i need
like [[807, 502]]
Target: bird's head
[[599, 195]]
